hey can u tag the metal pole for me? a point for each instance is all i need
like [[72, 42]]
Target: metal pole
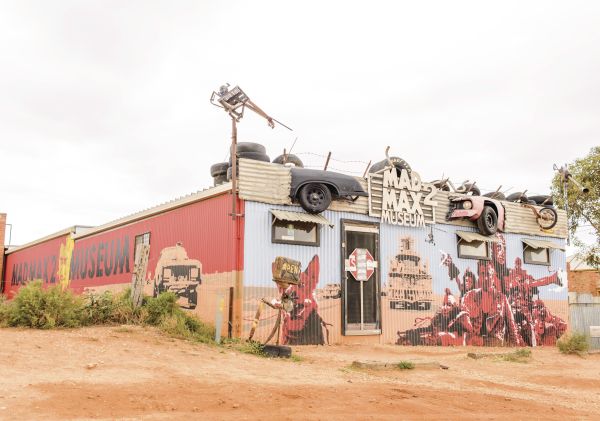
[[233, 168]]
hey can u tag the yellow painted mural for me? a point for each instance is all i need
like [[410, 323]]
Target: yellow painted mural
[[64, 262]]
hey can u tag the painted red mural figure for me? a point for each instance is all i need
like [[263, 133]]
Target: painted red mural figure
[[522, 288], [303, 325], [496, 306]]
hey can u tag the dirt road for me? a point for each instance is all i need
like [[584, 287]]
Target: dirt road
[[135, 373]]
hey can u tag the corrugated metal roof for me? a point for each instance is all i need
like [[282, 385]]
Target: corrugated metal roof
[[173, 204], [473, 236], [61, 233], [300, 217], [541, 244]]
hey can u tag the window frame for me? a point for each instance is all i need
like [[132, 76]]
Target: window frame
[[530, 262], [275, 240], [488, 253], [143, 236]]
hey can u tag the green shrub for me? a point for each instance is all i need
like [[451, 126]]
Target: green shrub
[[521, 355], [36, 307], [405, 365], [109, 308], [4, 311], [573, 343], [164, 312], [160, 308]]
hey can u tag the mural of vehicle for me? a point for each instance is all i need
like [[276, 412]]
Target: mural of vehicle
[[409, 283], [176, 273]]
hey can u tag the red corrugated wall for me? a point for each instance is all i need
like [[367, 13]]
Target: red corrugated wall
[[105, 261], [36, 262], [204, 228]]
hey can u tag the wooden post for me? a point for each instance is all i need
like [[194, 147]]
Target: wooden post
[[327, 161], [233, 168], [139, 273]]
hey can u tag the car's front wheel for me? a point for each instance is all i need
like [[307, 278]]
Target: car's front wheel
[[314, 197], [488, 221]]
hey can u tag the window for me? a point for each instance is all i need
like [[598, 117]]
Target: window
[[142, 239], [537, 252], [295, 232], [473, 246], [536, 256]]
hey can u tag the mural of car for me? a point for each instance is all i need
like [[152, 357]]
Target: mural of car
[[176, 273], [315, 189], [487, 213]]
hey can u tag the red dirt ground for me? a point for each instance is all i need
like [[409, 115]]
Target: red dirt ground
[[134, 373]]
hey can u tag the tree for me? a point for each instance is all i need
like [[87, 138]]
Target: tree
[[583, 208]]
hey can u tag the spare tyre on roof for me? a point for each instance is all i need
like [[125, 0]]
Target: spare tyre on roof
[[441, 185], [399, 163], [257, 156], [218, 169], [543, 199], [517, 197], [289, 159], [495, 195], [251, 147]]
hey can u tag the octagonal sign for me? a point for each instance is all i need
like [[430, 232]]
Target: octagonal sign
[[361, 264]]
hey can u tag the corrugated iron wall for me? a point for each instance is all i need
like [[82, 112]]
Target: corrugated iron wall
[[430, 245], [584, 312]]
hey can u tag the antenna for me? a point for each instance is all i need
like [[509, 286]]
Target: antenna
[[234, 102]]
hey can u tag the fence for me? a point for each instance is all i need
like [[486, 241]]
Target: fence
[[584, 316]]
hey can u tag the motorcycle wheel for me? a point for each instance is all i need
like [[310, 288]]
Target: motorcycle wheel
[[548, 218]]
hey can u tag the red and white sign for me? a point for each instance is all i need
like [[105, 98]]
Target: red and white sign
[[361, 264]]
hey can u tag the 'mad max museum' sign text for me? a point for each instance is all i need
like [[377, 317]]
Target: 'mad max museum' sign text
[[400, 198]]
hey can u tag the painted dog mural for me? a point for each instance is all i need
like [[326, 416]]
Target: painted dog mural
[[302, 323], [497, 306]]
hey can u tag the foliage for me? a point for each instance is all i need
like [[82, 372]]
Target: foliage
[[584, 209], [45, 308], [521, 355], [405, 365], [573, 343], [247, 347], [108, 308], [4, 311], [37, 307]]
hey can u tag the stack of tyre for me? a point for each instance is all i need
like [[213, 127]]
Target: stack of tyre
[[221, 171]]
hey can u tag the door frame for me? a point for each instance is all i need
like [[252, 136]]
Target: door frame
[[377, 275]]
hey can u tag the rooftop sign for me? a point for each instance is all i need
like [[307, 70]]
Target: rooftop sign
[[401, 198]]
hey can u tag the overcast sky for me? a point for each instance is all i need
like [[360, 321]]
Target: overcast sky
[[104, 105]]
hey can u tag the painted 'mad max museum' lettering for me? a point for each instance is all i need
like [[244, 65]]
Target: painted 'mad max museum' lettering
[[101, 259]]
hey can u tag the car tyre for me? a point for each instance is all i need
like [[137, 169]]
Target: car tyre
[[399, 163], [495, 195], [289, 159], [314, 197], [517, 197], [257, 156], [218, 169], [278, 351], [488, 221], [243, 147], [542, 200]]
